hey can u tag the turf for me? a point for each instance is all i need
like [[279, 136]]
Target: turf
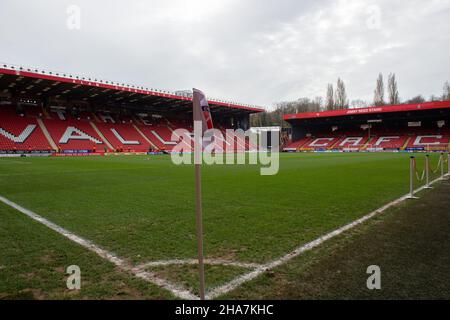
[[187, 275], [34, 259], [410, 243], [142, 207]]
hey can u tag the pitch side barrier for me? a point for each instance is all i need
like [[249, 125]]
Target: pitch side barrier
[[102, 154], [18, 154], [75, 154], [416, 176], [24, 155]]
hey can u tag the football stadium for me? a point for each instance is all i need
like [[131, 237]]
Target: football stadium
[[87, 164], [223, 159]]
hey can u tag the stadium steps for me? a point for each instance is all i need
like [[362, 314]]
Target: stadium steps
[[145, 137], [46, 114], [297, 145], [100, 134], [364, 147], [334, 144], [304, 143], [169, 124], [158, 136], [190, 145], [137, 120], [94, 116], [46, 133], [405, 144], [170, 127]]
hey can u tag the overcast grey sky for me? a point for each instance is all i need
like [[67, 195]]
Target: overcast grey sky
[[253, 51]]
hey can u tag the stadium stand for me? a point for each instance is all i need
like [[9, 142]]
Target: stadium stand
[[415, 127], [100, 132], [376, 143], [43, 110], [87, 131]]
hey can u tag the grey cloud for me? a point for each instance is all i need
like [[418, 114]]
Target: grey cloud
[[258, 52]]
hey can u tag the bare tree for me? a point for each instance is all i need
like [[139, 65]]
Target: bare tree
[[378, 98], [329, 101], [434, 98], [275, 117], [416, 99], [340, 96], [317, 104], [446, 94], [393, 90], [358, 103]]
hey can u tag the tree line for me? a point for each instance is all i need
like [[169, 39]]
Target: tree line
[[336, 99]]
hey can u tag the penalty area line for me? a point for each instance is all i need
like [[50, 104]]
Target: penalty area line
[[111, 257], [240, 280]]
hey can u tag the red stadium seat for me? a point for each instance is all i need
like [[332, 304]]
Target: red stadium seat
[[123, 136], [20, 133], [84, 139]]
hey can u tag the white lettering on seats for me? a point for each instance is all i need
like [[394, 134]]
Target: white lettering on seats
[[21, 137], [385, 139], [77, 134], [353, 141], [315, 143], [61, 113], [418, 141], [107, 118], [122, 140], [146, 122], [162, 140]]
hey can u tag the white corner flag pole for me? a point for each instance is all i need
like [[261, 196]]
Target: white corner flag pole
[[198, 134], [199, 222]]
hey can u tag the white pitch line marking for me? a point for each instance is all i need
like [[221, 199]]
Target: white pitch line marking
[[238, 281], [233, 284], [214, 262], [111, 257]]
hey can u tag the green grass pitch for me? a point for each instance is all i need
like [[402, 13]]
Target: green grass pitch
[[142, 208]]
